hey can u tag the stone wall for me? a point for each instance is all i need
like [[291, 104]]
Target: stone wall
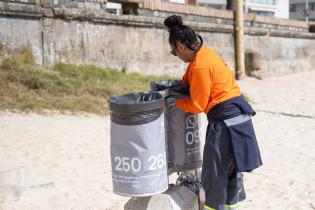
[[282, 55], [140, 43], [112, 45]]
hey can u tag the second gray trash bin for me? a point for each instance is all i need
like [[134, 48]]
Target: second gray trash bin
[[182, 129]]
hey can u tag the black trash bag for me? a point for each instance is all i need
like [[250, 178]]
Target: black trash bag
[[193, 182], [174, 88], [136, 108]]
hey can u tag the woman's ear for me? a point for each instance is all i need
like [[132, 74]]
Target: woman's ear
[[181, 46]]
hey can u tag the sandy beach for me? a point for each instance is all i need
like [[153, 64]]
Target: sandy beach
[[62, 162]]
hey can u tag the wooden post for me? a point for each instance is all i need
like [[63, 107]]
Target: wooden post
[[239, 32]]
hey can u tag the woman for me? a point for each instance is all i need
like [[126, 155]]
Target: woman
[[230, 146]]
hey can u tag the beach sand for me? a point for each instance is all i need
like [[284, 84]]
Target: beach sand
[[62, 162]]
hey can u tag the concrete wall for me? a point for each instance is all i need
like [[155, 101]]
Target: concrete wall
[[282, 55], [138, 43], [18, 34], [139, 49]]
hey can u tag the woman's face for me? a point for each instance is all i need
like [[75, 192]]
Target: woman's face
[[180, 51]]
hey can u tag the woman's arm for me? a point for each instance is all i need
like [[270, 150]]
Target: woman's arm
[[200, 88]]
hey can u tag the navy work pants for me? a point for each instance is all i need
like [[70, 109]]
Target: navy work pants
[[219, 177]]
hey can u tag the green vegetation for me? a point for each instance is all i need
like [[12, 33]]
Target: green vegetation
[[26, 86]]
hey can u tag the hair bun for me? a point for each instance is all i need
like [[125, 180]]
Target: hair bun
[[173, 21]]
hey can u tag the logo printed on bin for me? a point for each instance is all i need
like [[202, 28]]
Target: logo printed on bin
[[191, 121]]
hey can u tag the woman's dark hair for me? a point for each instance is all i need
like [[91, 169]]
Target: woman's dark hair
[[182, 33], [173, 21]]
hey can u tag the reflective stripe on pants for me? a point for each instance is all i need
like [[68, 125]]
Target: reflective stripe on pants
[[232, 207], [227, 207], [205, 207]]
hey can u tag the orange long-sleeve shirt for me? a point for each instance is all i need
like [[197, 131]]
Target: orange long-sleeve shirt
[[211, 82]]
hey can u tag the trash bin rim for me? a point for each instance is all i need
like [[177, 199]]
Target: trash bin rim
[[156, 104]]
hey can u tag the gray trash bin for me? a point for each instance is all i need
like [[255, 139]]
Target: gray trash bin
[[138, 153], [182, 129]]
